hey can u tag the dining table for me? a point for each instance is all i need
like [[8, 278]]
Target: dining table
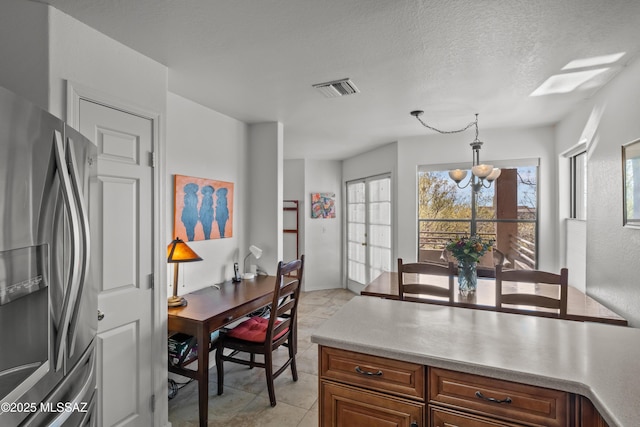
[[580, 306]]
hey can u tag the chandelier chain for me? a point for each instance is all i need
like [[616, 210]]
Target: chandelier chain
[[474, 123]]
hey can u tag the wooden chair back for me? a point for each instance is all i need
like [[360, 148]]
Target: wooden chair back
[[411, 280], [284, 306], [555, 300]]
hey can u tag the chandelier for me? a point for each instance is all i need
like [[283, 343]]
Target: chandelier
[[482, 175]]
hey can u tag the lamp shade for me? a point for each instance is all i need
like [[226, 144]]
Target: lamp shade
[[457, 174], [255, 251], [482, 171], [179, 251], [495, 173]]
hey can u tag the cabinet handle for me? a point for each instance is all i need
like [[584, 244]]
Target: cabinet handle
[[100, 315], [414, 424], [371, 374], [493, 399]]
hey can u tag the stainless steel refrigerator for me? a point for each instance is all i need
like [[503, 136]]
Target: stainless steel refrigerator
[[48, 291]]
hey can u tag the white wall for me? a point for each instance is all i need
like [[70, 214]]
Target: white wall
[[264, 188], [206, 144], [24, 49], [612, 250], [375, 162], [87, 57], [505, 144], [323, 236]]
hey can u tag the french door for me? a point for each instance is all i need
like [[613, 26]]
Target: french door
[[368, 230]]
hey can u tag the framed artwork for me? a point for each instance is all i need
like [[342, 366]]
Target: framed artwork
[[203, 208], [631, 184], [323, 205]]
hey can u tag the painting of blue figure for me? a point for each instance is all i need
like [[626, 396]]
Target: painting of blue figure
[[189, 216], [222, 210], [203, 208], [206, 210]]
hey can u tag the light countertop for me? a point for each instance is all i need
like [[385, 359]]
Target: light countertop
[[598, 361]]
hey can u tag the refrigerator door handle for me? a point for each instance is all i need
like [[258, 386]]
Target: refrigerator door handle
[[77, 401], [72, 284], [83, 218]]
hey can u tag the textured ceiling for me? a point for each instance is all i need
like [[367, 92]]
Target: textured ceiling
[[256, 60]]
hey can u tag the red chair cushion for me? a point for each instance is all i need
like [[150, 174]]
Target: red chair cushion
[[254, 329]]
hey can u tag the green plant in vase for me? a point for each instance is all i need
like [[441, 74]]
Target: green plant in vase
[[468, 251]]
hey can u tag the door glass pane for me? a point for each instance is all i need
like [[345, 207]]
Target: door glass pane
[[356, 232], [379, 234]]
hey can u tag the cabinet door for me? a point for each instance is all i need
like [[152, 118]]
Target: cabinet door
[[344, 406], [588, 414], [444, 418]]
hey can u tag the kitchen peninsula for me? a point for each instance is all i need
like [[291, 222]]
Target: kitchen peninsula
[[440, 363]]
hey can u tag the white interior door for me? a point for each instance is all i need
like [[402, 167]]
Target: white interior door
[[368, 230], [123, 241]]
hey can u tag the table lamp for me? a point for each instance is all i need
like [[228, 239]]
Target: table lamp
[[178, 252], [257, 253]]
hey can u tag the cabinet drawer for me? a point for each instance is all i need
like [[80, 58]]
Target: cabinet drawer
[[444, 418], [346, 406], [496, 398], [376, 373]]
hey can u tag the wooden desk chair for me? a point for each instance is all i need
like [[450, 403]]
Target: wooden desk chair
[[260, 335], [416, 287], [556, 300]]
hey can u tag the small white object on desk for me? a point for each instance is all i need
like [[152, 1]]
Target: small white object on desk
[[248, 276]]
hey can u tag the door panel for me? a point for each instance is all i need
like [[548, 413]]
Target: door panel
[[121, 385], [120, 242], [124, 244], [368, 229]]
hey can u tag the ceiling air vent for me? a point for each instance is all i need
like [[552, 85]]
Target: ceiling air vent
[[336, 88]]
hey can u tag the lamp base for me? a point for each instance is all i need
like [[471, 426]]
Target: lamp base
[[176, 301]]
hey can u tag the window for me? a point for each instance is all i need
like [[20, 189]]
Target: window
[[578, 183], [505, 212]]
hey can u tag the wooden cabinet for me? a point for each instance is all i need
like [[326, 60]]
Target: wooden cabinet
[[588, 414], [346, 406], [498, 399], [439, 417], [363, 390]]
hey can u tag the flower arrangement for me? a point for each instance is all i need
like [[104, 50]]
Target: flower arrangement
[[469, 249]]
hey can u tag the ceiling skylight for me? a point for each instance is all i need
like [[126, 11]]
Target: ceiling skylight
[[581, 71], [568, 82], [595, 61]]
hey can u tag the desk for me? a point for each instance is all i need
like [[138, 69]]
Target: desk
[[579, 306], [210, 309]]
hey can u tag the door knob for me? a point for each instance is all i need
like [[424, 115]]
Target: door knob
[[100, 315]]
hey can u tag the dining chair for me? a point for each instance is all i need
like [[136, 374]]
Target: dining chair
[[262, 335], [412, 279], [555, 298]]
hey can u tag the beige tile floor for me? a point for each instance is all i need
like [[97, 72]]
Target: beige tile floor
[[245, 401]]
